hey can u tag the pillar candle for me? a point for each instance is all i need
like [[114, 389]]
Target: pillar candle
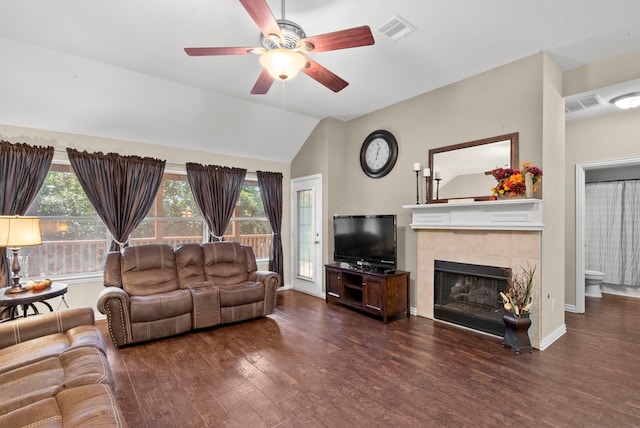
[[426, 172], [416, 166], [437, 175]]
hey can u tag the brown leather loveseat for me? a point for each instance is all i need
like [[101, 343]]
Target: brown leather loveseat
[[153, 291], [54, 372]]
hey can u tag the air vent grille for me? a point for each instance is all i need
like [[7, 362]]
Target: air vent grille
[[572, 106], [397, 28]]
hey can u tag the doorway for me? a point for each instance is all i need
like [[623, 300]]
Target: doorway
[[581, 170], [306, 234]]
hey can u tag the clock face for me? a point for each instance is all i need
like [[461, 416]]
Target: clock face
[[378, 153]]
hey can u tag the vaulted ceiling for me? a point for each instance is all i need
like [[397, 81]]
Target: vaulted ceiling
[[117, 68]]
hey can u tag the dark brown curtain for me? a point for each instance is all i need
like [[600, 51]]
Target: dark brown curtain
[[216, 190], [23, 169], [271, 191], [121, 188]]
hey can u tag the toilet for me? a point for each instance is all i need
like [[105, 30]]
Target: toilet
[[592, 280]]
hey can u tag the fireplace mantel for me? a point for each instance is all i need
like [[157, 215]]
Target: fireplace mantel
[[510, 214]]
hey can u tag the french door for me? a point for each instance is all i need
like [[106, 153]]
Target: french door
[[306, 233]]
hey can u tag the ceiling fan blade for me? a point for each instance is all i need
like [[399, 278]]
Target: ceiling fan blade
[[262, 16], [343, 39], [263, 84], [219, 51], [324, 76]]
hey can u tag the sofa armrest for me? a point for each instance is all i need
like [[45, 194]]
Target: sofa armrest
[[114, 302], [271, 281], [23, 329]]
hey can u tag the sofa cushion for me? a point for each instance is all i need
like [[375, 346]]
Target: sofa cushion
[[83, 406], [225, 263], [189, 263], [241, 294], [52, 345], [160, 306], [149, 269], [33, 382]]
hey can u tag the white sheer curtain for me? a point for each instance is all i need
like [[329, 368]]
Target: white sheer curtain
[[612, 229]]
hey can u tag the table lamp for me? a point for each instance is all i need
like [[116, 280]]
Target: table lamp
[[17, 232]]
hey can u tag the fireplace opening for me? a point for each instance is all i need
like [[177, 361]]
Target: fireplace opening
[[469, 295]]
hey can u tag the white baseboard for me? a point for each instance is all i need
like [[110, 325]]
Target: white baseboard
[[571, 308], [550, 339]]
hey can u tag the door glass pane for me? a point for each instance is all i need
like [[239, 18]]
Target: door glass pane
[[305, 253]]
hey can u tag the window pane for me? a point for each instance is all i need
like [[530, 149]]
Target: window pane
[[73, 236], [174, 218], [249, 224]]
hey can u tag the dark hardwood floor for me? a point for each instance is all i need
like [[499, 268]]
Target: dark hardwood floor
[[313, 365]]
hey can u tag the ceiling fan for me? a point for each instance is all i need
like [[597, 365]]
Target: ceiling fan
[[284, 44]]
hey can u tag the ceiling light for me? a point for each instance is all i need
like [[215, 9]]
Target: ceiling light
[[282, 63], [627, 101]]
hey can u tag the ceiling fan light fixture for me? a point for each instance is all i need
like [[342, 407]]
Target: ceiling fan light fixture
[[282, 64], [627, 101]]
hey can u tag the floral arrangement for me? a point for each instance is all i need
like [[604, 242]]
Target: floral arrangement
[[517, 299], [512, 181]]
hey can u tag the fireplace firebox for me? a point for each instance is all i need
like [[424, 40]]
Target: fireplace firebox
[[469, 295]]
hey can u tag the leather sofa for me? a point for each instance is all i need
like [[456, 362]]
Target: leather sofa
[[54, 372], [152, 291]]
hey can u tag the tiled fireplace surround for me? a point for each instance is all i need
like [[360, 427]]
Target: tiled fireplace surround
[[492, 233]]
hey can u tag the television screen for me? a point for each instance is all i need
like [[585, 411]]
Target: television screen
[[365, 240]]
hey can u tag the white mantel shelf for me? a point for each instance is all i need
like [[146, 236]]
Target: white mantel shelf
[[510, 214]]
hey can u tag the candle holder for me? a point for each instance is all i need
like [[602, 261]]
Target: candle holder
[[426, 190], [418, 187], [438, 187]]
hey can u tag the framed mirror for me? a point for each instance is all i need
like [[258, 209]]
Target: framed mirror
[[463, 170]]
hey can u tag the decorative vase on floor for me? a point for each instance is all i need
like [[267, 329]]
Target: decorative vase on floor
[[528, 185], [516, 333]]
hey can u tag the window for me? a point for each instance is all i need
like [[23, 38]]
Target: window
[[73, 236], [174, 218], [249, 224], [75, 241]]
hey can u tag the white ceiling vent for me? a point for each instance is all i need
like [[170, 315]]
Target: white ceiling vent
[[397, 28], [572, 106]]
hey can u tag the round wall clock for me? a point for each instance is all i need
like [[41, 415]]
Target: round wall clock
[[379, 153]]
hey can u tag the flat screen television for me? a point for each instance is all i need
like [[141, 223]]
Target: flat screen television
[[366, 241]]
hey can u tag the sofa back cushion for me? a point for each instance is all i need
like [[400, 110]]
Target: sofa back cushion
[[252, 265], [225, 262], [112, 272], [189, 262], [149, 269]]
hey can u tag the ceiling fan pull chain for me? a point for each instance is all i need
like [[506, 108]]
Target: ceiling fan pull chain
[[282, 2]]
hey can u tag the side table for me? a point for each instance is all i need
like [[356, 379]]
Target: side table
[[11, 303]]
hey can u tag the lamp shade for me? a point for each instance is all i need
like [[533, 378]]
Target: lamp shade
[[282, 63], [17, 231]]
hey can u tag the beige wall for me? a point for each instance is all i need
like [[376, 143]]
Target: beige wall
[[507, 99], [85, 292], [602, 138]]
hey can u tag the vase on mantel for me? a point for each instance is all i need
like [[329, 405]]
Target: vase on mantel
[[509, 196], [528, 185]]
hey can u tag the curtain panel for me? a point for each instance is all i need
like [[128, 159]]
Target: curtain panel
[[216, 190], [121, 188], [271, 191], [23, 169]]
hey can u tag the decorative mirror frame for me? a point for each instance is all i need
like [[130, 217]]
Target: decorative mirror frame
[[514, 160]]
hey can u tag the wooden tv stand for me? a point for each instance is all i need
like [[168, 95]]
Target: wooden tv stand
[[375, 292]]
